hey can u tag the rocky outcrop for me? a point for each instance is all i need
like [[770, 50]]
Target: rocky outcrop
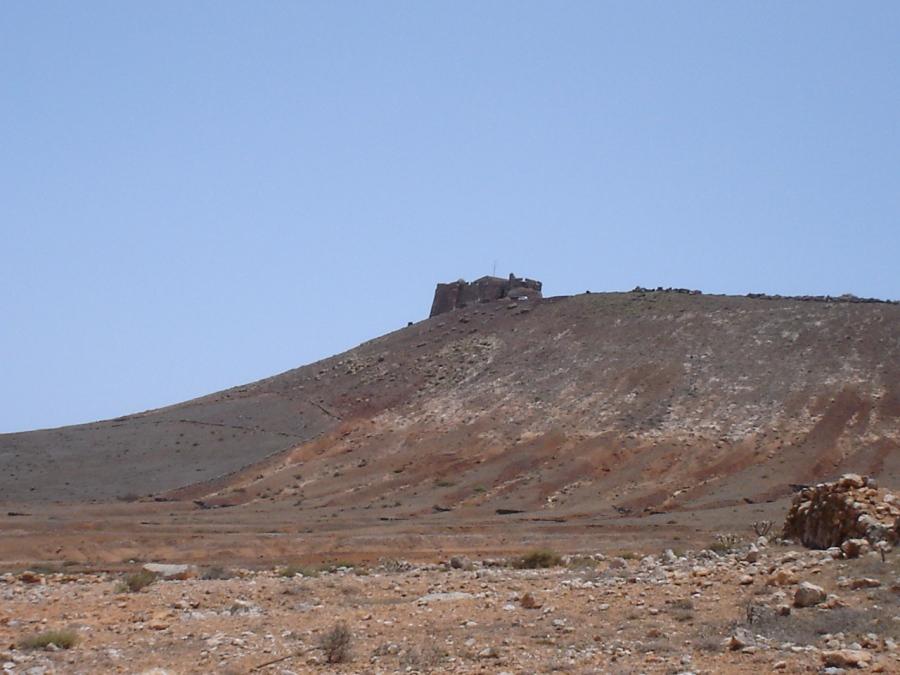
[[851, 508], [462, 293]]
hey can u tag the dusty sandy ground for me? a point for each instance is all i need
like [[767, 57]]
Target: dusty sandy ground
[[695, 612]]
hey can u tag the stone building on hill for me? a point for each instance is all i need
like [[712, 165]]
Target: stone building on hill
[[457, 294]]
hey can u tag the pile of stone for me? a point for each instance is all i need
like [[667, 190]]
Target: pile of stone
[[851, 513]]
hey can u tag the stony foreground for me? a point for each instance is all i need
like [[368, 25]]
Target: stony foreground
[[741, 609]]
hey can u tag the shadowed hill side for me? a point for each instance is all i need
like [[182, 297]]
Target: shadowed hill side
[[619, 403], [144, 454]]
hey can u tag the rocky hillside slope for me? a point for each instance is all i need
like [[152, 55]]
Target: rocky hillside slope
[[623, 403]]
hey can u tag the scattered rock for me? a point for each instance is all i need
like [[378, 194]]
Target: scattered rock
[[460, 563], [159, 621], [445, 597], [740, 639], [29, 577], [488, 653], [808, 594], [853, 548], [752, 554], [782, 577], [847, 658]]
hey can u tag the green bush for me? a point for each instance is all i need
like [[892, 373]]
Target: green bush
[[540, 559], [63, 639]]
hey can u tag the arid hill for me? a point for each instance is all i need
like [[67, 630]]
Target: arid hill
[[597, 410]]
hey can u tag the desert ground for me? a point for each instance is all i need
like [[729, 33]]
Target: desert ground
[[734, 609]]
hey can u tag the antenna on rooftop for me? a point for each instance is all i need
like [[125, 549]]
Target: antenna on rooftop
[[494, 271]]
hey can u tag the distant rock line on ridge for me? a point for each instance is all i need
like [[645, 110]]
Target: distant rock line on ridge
[[846, 297]]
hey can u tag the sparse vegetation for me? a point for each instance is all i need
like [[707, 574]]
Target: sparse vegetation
[[216, 572], [289, 571], [539, 559], [393, 565], [136, 581], [62, 639], [709, 644], [681, 609], [656, 646], [725, 543], [423, 658], [336, 644], [582, 562], [807, 628], [762, 527], [682, 614]]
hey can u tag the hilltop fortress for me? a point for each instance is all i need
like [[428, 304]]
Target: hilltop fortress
[[461, 293]]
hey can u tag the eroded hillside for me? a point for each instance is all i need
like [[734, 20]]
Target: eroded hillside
[[596, 406]]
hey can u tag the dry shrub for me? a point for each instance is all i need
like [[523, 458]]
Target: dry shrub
[[216, 572], [540, 559], [725, 543], [423, 658], [288, 571], [708, 644], [136, 581], [682, 614], [394, 566], [807, 628], [657, 646], [582, 562], [336, 643]]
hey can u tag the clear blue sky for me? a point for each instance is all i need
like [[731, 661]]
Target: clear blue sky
[[198, 194]]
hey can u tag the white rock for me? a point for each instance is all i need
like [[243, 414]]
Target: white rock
[[170, 571], [488, 653], [445, 597]]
